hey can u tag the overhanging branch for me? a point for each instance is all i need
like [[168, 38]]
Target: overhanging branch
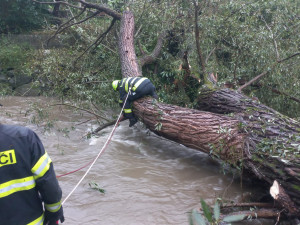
[[98, 41], [266, 72], [147, 59], [108, 11], [61, 28]]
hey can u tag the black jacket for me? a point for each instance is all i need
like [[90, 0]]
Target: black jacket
[[140, 87], [27, 178], [136, 83]]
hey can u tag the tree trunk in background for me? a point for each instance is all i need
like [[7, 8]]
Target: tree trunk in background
[[56, 9], [129, 62], [255, 137]]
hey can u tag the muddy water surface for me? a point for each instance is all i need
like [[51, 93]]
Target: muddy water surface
[[147, 180]]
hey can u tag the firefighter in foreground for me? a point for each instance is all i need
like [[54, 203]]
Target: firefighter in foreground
[[29, 191], [138, 87]]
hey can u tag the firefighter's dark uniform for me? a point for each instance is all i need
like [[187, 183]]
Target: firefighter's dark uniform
[[140, 86], [27, 179]]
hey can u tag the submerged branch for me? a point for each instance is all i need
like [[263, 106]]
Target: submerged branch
[[82, 109]]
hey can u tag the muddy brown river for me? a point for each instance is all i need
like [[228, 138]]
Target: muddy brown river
[[147, 180]]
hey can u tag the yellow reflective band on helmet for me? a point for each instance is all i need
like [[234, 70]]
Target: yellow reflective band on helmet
[[138, 83], [115, 84], [38, 221], [13, 186], [127, 110], [41, 167], [53, 207]]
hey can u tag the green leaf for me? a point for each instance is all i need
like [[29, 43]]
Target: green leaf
[[217, 211], [206, 211], [234, 218], [197, 218], [96, 187]]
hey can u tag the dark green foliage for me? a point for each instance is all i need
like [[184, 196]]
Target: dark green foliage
[[244, 35], [21, 15], [206, 211], [208, 217], [13, 56]]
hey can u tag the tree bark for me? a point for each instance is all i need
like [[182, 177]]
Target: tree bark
[[129, 63], [272, 145], [193, 128]]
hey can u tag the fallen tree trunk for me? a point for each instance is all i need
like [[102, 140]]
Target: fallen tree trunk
[[273, 140], [255, 138], [193, 128]]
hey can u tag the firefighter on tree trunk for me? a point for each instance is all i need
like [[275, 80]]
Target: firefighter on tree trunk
[[135, 87]]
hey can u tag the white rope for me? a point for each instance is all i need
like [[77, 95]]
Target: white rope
[[109, 137]]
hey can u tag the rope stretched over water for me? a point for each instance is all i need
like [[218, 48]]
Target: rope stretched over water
[[100, 152], [65, 174]]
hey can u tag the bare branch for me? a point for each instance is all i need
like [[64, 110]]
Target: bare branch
[[82, 109], [211, 52], [140, 47], [197, 35], [285, 94], [264, 73], [102, 8], [138, 31], [98, 41], [249, 204], [256, 214], [273, 38], [253, 80], [60, 29], [147, 59], [287, 58]]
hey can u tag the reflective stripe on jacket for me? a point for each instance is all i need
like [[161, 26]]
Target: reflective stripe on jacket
[[26, 177], [135, 83]]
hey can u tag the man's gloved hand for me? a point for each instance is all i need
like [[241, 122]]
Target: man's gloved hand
[[55, 222], [52, 218], [132, 121], [125, 117]]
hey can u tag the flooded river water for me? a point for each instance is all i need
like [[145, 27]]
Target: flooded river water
[[147, 180]]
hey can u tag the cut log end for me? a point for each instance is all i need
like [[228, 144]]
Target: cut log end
[[274, 190], [279, 194]]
